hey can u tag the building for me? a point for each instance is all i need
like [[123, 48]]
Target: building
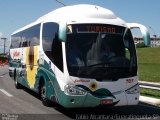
[[155, 41]]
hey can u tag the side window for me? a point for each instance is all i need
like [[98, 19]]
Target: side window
[[25, 38], [15, 40], [128, 39], [51, 45], [30, 36], [50, 31], [24, 42], [34, 35]]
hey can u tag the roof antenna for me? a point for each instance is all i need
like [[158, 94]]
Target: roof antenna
[[96, 7], [60, 2], [94, 4]]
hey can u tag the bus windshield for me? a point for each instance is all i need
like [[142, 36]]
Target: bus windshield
[[102, 52]]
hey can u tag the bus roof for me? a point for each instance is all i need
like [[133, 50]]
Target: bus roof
[[82, 12]]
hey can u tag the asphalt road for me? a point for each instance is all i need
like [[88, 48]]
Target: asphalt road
[[24, 104]]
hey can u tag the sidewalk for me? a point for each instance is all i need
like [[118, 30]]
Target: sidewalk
[[150, 100], [152, 83]]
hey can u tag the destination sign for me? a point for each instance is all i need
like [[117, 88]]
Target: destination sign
[[97, 28]]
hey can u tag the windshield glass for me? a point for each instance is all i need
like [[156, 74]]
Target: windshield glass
[[103, 52]]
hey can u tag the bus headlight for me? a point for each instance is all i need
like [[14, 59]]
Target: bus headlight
[[74, 90], [133, 90]]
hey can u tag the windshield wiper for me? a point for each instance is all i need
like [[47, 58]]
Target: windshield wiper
[[106, 64], [92, 71]]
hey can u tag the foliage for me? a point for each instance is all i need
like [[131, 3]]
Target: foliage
[[3, 58], [140, 45]]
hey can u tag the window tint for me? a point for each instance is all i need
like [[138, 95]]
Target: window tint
[[31, 36], [50, 31], [24, 42], [51, 45], [15, 40], [28, 37]]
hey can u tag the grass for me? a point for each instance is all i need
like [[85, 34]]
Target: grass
[[149, 64], [149, 68], [150, 93]]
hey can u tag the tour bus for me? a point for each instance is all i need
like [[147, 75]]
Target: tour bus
[[77, 56]]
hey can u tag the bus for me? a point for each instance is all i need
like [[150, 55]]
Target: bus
[[77, 56]]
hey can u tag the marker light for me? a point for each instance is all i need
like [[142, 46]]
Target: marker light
[[133, 90]]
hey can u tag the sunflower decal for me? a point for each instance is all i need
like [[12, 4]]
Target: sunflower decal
[[93, 86], [31, 64]]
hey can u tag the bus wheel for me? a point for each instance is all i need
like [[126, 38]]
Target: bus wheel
[[44, 100], [17, 85]]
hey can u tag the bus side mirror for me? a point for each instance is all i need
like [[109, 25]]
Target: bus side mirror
[[62, 34], [144, 31]]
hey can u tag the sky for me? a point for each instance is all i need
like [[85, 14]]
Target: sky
[[15, 14]]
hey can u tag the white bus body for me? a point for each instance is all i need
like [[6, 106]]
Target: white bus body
[[39, 58]]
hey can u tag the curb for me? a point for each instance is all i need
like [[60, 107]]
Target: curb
[[150, 83], [150, 100]]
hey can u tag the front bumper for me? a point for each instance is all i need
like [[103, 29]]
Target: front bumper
[[89, 100]]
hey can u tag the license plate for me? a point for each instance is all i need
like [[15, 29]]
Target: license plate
[[106, 101]]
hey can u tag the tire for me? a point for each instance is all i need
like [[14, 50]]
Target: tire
[[17, 85], [43, 97]]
